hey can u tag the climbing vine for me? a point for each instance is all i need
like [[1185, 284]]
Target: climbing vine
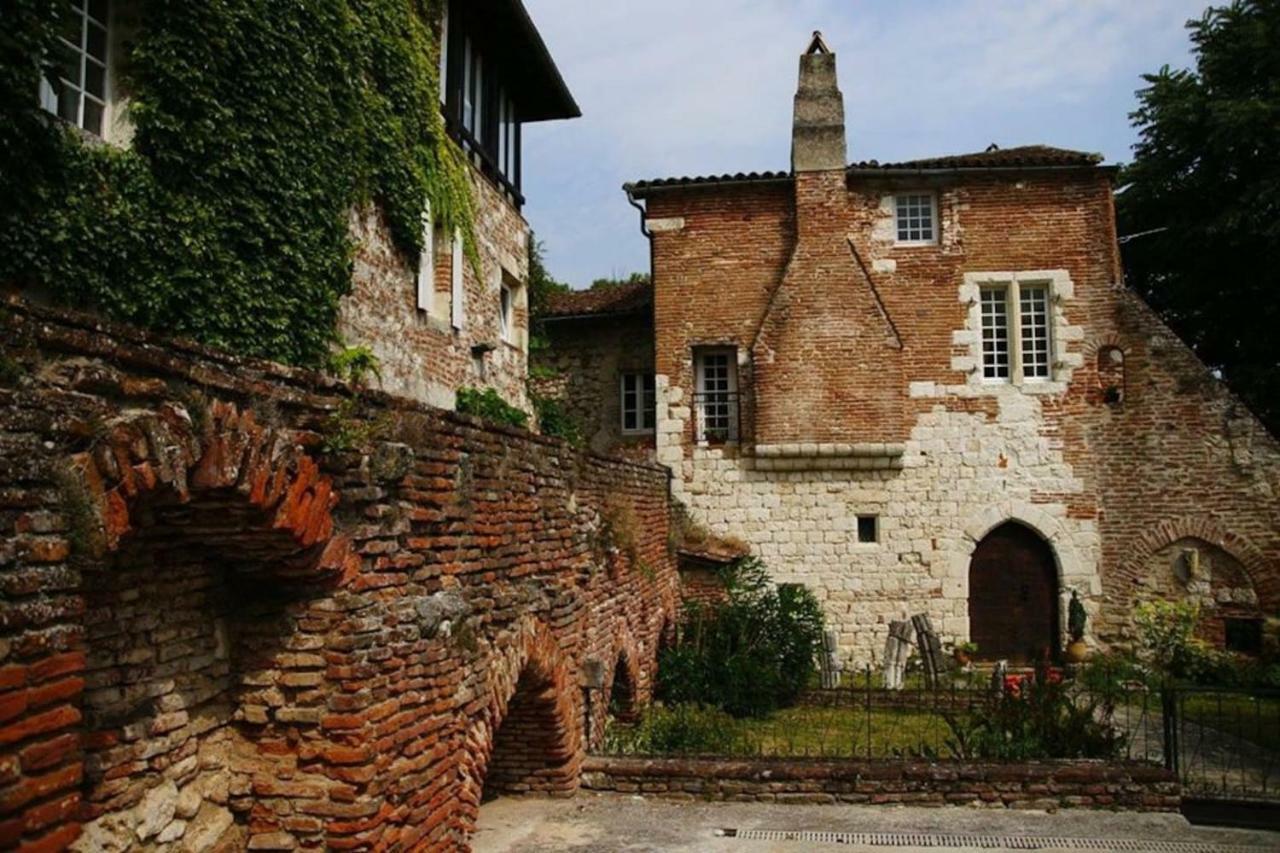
[[258, 127]]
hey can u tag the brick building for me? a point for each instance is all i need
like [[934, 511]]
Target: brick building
[[436, 322], [923, 387]]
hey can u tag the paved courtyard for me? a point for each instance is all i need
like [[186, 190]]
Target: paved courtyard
[[612, 822]]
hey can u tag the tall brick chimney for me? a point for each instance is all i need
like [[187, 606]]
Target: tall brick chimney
[[826, 359], [817, 132]]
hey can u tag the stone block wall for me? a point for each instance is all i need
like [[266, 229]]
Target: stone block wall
[[238, 612], [1105, 482], [583, 367]]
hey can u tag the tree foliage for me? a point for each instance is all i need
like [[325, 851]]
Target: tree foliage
[[1202, 198], [258, 127], [749, 654]]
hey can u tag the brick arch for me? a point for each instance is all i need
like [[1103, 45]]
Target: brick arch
[[530, 686], [183, 520], [1097, 344], [624, 662], [162, 453], [1260, 569]]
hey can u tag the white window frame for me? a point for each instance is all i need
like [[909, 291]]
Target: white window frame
[[1012, 290], [701, 356], [457, 294], [932, 240], [427, 264], [49, 98], [646, 401], [444, 53]]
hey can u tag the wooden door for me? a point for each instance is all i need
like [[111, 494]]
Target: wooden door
[[1013, 596]]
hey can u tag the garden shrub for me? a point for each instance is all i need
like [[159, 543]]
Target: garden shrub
[[490, 406], [1033, 719], [684, 729], [554, 420], [749, 654]]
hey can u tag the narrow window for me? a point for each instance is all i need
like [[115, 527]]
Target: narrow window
[[638, 410], [868, 528], [995, 332], [915, 218], [426, 263], [506, 309], [1033, 317], [80, 59], [468, 79], [716, 397], [456, 294]]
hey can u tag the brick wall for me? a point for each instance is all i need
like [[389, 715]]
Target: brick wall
[[215, 632], [1107, 484], [422, 355], [1043, 785]]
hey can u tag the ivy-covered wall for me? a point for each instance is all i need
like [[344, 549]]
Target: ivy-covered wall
[[259, 126]]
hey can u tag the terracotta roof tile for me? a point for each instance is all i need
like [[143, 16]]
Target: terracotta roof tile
[[601, 301]]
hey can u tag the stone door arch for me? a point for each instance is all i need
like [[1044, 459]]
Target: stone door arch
[[1013, 596]]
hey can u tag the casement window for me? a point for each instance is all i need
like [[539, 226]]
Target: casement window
[[716, 397], [1016, 337], [81, 63], [639, 414], [479, 111], [916, 218], [457, 293]]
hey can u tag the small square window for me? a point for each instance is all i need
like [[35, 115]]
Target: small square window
[[1243, 635], [868, 528], [916, 218]]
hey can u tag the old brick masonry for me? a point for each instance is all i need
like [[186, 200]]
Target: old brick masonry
[[213, 631]]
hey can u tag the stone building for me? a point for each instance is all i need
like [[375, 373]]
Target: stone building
[[923, 387], [436, 322]]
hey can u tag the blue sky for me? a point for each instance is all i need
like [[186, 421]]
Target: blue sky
[[684, 87]]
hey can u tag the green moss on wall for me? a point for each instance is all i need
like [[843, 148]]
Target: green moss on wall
[[259, 126]]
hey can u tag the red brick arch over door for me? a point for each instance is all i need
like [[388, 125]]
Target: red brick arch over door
[[1013, 595]]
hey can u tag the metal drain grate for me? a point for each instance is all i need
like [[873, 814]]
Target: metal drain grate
[[986, 842]]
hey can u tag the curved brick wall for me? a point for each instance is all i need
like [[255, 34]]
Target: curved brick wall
[[212, 632]]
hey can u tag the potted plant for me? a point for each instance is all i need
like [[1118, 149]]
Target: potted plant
[[1077, 650], [964, 652]]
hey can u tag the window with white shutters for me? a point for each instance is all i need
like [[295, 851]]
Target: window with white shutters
[[426, 283], [457, 293]]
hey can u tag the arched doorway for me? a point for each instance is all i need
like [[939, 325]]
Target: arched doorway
[[533, 748], [1013, 596], [622, 692]]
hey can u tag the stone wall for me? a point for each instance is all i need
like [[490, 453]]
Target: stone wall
[[1038, 785], [583, 367], [423, 354], [1104, 482], [245, 606]]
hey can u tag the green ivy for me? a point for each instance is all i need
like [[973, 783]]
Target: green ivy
[[490, 406], [259, 126]]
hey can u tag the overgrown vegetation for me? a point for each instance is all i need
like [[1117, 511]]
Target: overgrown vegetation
[[258, 127], [750, 654], [489, 405], [554, 419], [1200, 198]]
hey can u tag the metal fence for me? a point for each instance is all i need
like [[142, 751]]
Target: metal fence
[[1222, 742]]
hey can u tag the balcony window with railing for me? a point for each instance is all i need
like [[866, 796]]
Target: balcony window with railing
[[716, 398]]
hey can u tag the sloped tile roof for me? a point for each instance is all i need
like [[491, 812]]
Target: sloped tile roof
[[601, 301], [1020, 157]]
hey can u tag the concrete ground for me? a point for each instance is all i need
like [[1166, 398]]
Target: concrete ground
[[609, 822]]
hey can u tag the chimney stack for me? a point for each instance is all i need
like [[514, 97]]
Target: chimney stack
[[817, 135]]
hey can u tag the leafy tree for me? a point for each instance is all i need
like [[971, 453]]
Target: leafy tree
[[1201, 201], [542, 285], [634, 278]]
